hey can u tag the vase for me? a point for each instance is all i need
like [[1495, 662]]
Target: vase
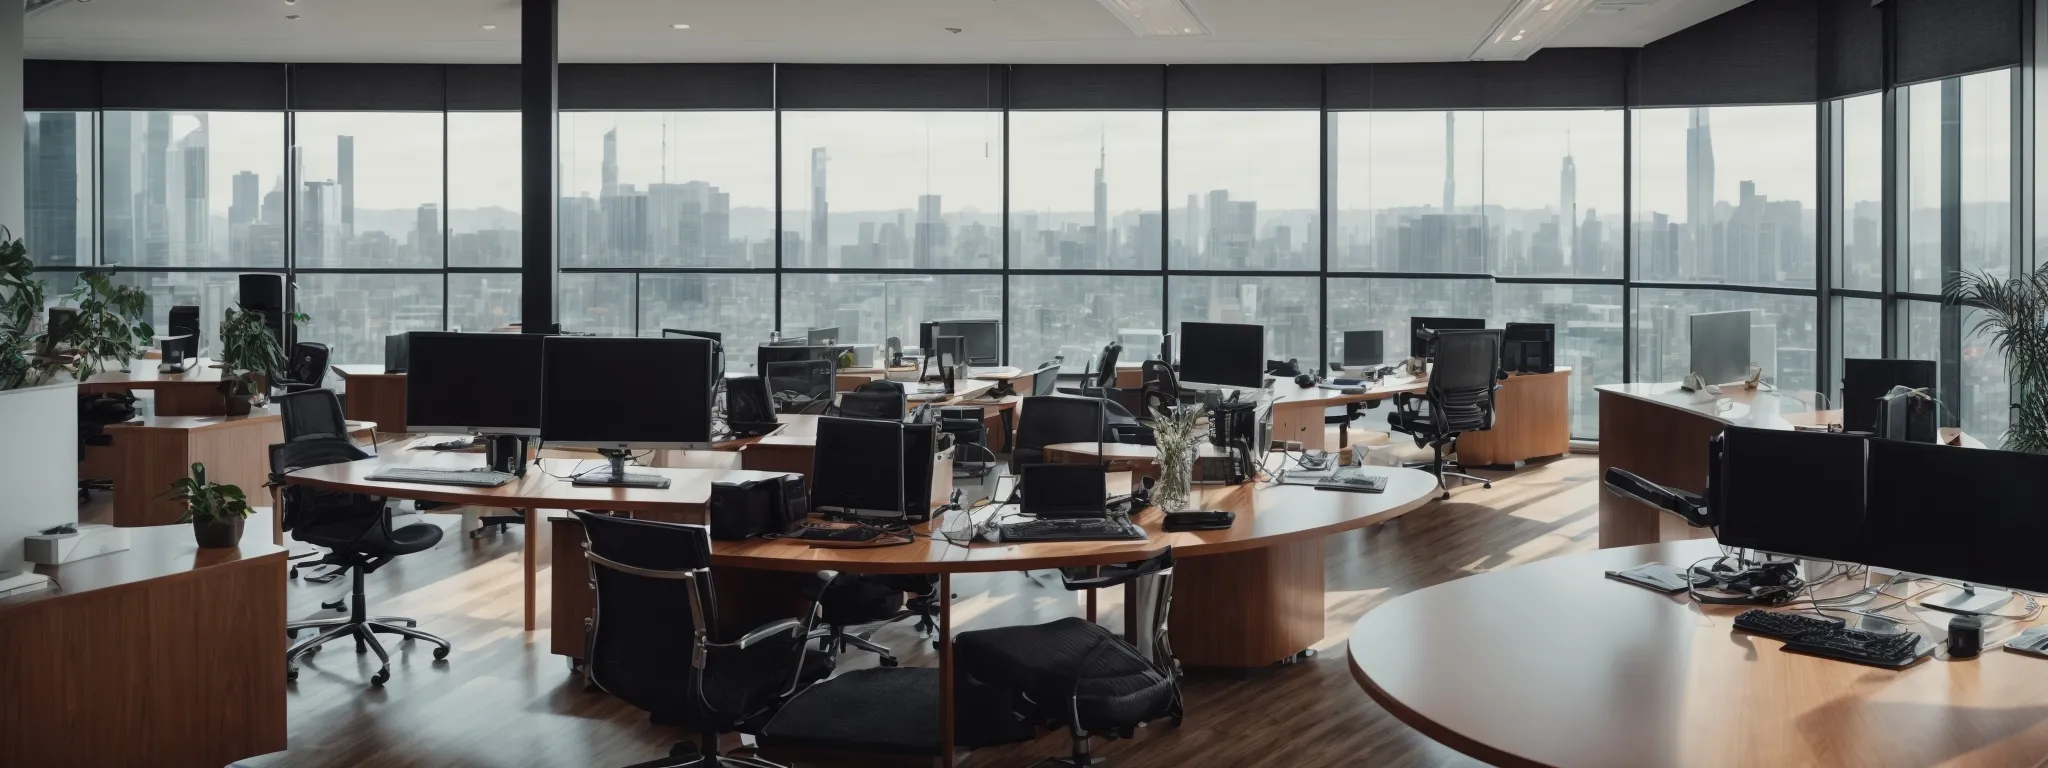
[[238, 405], [1176, 480], [217, 534]]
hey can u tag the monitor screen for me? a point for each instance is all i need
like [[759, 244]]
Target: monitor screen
[[671, 333], [625, 393], [483, 383], [1363, 348], [983, 339], [1961, 514], [1865, 381], [1790, 493], [1224, 354], [1421, 347], [1720, 346], [1066, 490], [857, 467]]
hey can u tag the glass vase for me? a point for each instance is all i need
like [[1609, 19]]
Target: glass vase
[[1176, 480]]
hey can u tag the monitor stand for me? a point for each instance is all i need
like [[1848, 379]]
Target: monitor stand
[[1968, 600], [615, 476]]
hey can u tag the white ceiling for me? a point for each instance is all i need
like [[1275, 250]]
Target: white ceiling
[[1003, 31]]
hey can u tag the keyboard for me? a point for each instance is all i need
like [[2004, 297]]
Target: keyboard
[[1856, 646], [473, 478], [852, 534], [1783, 625], [1350, 479], [1084, 529]]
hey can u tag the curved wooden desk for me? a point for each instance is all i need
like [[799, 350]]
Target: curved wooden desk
[[1552, 664], [195, 392]]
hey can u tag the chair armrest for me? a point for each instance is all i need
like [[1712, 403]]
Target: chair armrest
[[762, 633]]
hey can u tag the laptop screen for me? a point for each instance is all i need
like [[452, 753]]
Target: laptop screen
[[1066, 490]]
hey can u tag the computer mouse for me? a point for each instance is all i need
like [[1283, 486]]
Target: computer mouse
[[1352, 391], [1713, 389]]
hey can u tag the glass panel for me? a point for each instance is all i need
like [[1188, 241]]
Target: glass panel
[[483, 302], [1861, 265], [58, 185], [1987, 392], [1084, 190], [1782, 337], [369, 190], [1987, 175], [1243, 189], [1389, 217], [678, 189], [1923, 330], [599, 303], [1588, 328], [1859, 324], [194, 189], [1920, 261], [483, 190], [1386, 303], [353, 313], [1553, 193], [1075, 316], [867, 309], [1289, 307], [892, 190], [739, 307], [1737, 210]]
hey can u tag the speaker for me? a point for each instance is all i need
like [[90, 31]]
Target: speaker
[[265, 294], [749, 407]]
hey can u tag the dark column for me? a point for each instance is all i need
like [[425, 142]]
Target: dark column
[[1951, 370], [539, 23]]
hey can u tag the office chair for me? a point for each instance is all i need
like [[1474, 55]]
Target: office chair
[[1046, 379], [1459, 399], [305, 369], [880, 400], [311, 414], [850, 600], [95, 413], [1076, 674], [1105, 376], [357, 531], [1044, 421], [968, 429], [1161, 389], [651, 640]]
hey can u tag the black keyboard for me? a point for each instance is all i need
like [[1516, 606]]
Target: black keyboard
[[1783, 625], [1084, 529], [1857, 646], [852, 534]]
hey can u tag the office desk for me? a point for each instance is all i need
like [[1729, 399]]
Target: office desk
[[1244, 597], [1660, 432], [196, 392], [1551, 664], [164, 654], [538, 491], [374, 395], [1532, 415], [147, 455], [1127, 457]]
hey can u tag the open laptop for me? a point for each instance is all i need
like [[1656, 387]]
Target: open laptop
[[1065, 491]]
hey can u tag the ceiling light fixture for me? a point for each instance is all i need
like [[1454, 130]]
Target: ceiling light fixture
[[490, 26], [292, 17], [1157, 18], [1526, 27], [678, 26]]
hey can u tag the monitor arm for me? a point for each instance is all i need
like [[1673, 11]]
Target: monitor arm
[[1690, 507]]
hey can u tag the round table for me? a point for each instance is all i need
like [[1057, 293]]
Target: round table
[[1552, 664]]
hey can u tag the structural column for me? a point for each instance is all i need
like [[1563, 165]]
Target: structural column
[[539, 55]]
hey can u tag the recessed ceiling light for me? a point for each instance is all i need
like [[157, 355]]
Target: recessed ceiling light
[[678, 26], [293, 17], [490, 26]]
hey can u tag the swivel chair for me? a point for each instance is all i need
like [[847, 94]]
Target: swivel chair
[[880, 400], [850, 600], [357, 531], [305, 369], [651, 640], [311, 414], [1161, 389], [1459, 400]]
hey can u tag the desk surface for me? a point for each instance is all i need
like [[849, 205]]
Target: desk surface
[[154, 552], [1761, 408], [143, 375], [1128, 451], [358, 369], [155, 421], [1266, 516], [1552, 664], [543, 487]]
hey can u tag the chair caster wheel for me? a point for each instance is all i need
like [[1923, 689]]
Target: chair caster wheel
[[291, 672], [292, 633], [1486, 485], [382, 676], [889, 661], [683, 749], [442, 653]]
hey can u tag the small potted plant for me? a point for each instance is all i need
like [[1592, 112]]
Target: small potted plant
[[215, 511], [249, 358]]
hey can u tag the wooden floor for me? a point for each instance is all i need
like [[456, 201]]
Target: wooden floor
[[502, 700]]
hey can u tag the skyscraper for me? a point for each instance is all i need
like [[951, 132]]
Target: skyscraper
[[242, 209], [345, 174], [194, 199], [1699, 199], [1450, 161], [153, 226], [427, 235], [610, 171], [319, 217], [1568, 202], [53, 188], [930, 247], [821, 239], [1102, 207]]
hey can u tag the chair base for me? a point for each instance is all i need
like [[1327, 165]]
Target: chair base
[[685, 754], [1444, 468], [365, 633]]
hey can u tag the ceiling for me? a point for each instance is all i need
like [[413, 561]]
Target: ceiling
[[1004, 31]]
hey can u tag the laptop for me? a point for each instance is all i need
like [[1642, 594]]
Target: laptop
[[1065, 491]]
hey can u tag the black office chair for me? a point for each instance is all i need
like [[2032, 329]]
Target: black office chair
[[1044, 421], [850, 600], [1161, 389], [1459, 399], [305, 369], [96, 412], [357, 531], [651, 639], [879, 400], [1105, 376], [1046, 380], [1076, 674], [311, 414]]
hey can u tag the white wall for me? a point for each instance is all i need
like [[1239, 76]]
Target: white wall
[[38, 464]]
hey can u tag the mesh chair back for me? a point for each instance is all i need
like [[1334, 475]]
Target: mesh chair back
[[1461, 386], [312, 414], [308, 364], [1161, 388], [879, 406], [1046, 380], [653, 598], [1106, 375], [339, 515]]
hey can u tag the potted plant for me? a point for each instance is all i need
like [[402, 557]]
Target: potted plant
[[215, 511], [105, 324], [21, 302], [249, 358], [2015, 312]]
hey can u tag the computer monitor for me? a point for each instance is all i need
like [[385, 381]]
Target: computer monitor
[[983, 339], [819, 337], [949, 350], [920, 450], [857, 469], [1422, 332], [1065, 490], [1720, 346], [1790, 493], [184, 321], [474, 383], [1224, 354], [1365, 349], [265, 293], [1959, 514], [796, 384], [621, 394], [771, 353], [671, 333], [1866, 381], [1529, 348]]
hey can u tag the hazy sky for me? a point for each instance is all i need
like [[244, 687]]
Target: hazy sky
[[1053, 156], [885, 160]]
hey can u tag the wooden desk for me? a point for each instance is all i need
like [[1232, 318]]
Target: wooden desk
[[164, 654], [1139, 459], [1532, 415], [1660, 432], [374, 395], [196, 392], [149, 454], [1245, 597], [1551, 664]]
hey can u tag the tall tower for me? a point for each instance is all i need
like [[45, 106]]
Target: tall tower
[[53, 186], [611, 165], [821, 241], [1450, 161], [345, 174], [1568, 203], [1699, 198], [1102, 206]]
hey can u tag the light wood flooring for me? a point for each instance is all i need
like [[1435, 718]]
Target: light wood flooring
[[503, 700]]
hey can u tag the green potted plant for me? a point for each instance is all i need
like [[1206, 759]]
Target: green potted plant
[[106, 324], [21, 302], [215, 511], [2015, 312], [249, 358]]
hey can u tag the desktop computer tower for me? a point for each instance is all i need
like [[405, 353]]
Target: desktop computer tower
[[1529, 348], [265, 294], [920, 449]]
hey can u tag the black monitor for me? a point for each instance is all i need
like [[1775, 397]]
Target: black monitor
[[819, 337], [672, 333], [1789, 492], [777, 353], [1865, 382], [796, 384], [1365, 348], [474, 383], [265, 293], [983, 339], [1960, 514], [182, 334], [1422, 337], [857, 469], [949, 350], [620, 394], [1529, 348], [1065, 490], [1224, 354]]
